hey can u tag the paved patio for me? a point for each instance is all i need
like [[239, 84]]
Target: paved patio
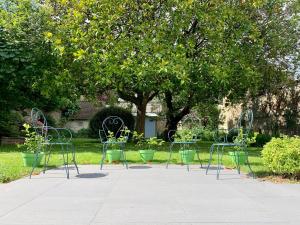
[[147, 195]]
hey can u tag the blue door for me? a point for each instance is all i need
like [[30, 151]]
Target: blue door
[[150, 127]]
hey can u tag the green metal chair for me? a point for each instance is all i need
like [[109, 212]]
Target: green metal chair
[[221, 138], [184, 145], [52, 137], [190, 122], [113, 125]]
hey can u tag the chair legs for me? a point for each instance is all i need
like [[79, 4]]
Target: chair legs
[[183, 147], [170, 154], [65, 154], [219, 159], [104, 150], [124, 159], [34, 163], [220, 153], [74, 158], [248, 163], [47, 159], [210, 157], [66, 161]]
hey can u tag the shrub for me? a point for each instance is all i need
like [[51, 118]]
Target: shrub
[[282, 155], [262, 139], [10, 124], [207, 135], [50, 120], [82, 133], [96, 121]]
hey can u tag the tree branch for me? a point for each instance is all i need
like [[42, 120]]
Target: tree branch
[[128, 97], [151, 96]]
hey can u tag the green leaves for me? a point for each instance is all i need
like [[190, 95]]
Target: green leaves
[[282, 155], [33, 141]]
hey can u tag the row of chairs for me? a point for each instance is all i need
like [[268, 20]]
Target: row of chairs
[[113, 127]]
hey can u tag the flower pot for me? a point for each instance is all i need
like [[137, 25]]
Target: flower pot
[[187, 156], [29, 158], [113, 155], [147, 155], [238, 157]]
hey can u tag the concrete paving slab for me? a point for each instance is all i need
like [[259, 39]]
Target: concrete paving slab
[[147, 194]]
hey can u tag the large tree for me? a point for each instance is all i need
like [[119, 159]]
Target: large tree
[[127, 46], [233, 44], [192, 51]]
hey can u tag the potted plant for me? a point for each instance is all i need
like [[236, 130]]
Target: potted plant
[[242, 140], [185, 138], [115, 153], [147, 154], [32, 147]]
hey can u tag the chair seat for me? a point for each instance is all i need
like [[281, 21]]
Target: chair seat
[[56, 143], [226, 144], [114, 142], [184, 142]]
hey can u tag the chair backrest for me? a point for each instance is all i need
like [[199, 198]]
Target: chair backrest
[[191, 121], [111, 124], [220, 135], [171, 134], [39, 122], [244, 125], [245, 121]]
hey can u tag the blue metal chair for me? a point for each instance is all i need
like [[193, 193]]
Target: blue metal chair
[[113, 132], [52, 137], [244, 125], [184, 145]]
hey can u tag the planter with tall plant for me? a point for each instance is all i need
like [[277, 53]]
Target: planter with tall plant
[[32, 147], [147, 146]]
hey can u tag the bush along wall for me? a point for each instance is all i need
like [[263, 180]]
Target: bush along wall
[[262, 139], [96, 121], [11, 123], [282, 156]]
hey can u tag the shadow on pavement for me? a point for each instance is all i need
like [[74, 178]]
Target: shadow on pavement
[[140, 167], [91, 175]]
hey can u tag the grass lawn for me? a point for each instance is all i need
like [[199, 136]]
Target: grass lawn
[[88, 151]]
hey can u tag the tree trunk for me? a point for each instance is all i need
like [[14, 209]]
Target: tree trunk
[[171, 125], [173, 115], [140, 119], [172, 122], [140, 100]]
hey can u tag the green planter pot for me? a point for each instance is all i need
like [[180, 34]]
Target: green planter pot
[[29, 158], [238, 157], [113, 155], [147, 155], [187, 156]]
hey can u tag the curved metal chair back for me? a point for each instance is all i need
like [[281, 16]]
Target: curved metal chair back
[[245, 121], [171, 134], [112, 124], [39, 122], [191, 121], [220, 135]]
